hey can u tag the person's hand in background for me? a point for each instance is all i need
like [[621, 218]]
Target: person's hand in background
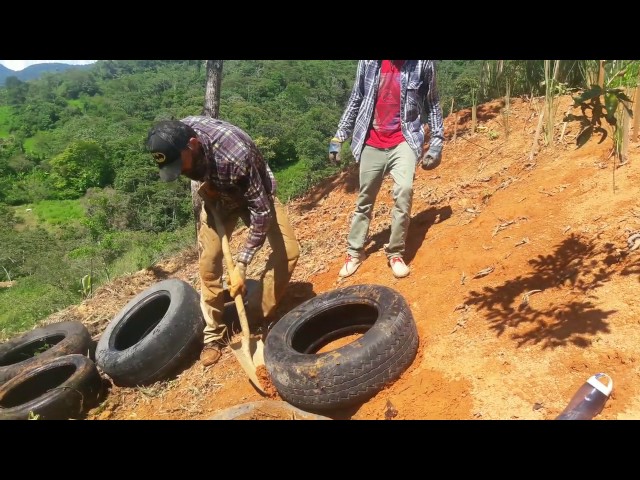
[[334, 150], [432, 158]]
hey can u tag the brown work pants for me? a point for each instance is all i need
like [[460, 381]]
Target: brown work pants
[[260, 302]]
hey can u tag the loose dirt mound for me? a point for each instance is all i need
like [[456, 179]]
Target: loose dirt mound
[[522, 284]]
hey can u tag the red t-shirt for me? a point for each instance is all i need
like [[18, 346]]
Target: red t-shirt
[[386, 130]]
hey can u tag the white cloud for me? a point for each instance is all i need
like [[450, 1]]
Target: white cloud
[[17, 65]]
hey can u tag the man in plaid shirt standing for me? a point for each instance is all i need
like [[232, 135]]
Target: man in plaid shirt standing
[[239, 183], [384, 118]]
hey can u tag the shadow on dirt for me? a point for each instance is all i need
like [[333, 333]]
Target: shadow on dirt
[[463, 118], [576, 263], [484, 113], [633, 268], [418, 229], [296, 293], [342, 413]]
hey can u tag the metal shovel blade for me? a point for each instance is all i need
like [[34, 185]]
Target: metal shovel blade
[[250, 354]]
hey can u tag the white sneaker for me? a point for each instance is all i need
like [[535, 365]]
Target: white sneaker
[[398, 267], [350, 266]]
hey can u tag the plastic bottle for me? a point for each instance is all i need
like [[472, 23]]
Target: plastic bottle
[[589, 400]]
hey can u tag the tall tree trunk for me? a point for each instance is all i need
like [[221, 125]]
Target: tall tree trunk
[[211, 109], [212, 91], [636, 110], [455, 122], [601, 74]]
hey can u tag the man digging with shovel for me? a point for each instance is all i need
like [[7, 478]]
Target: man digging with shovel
[[238, 183]]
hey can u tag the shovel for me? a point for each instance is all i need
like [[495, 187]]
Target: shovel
[[250, 349]]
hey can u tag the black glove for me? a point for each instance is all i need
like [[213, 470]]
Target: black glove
[[432, 158]]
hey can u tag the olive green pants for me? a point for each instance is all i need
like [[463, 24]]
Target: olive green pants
[[400, 162], [260, 302]]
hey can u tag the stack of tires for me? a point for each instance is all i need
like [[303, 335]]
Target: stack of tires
[[47, 373], [56, 372]]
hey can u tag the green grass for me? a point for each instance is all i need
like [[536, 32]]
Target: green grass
[[23, 305], [51, 213], [291, 181], [147, 249], [29, 145], [76, 103]]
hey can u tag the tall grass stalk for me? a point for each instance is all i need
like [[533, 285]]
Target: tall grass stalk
[[626, 122], [636, 110], [474, 109], [589, 70], [551, 82], [507, 107]]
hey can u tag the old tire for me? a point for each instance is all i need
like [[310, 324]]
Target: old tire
[[56, 389], [353, 373], [153, 336], [41, 344]]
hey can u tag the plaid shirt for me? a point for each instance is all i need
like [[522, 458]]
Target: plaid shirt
[[418, 96], [239, 174]]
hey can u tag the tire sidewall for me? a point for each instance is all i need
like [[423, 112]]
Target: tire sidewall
[[278, 344], [69, 400], [77, 340], [350, 374], [178, 330]]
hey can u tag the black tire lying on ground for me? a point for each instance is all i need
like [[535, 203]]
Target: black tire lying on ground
[[41, 344], [353, 373], [56, 389], [153, 336]]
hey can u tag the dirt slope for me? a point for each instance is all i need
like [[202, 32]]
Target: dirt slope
[[558, 305]]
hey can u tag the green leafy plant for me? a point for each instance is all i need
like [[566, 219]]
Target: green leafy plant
[[86, 286], [596, 104], [41, 349]]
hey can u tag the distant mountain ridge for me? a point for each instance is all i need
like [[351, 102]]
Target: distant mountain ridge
[[34, 71]]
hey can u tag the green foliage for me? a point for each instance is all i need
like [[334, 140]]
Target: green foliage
[[59, 212], [596, 104], [24, 188], [8, 217], [41, 349], [81, 166], [292, 181], [47, 283], [16, 91], [144, 249], [86, 286], [458, 80], [5, 115], [27, 302]]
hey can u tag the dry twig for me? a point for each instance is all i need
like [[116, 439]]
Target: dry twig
[[484, 272], [526, 295]]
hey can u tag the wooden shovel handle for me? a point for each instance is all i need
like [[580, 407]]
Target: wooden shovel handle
[[226, 251]]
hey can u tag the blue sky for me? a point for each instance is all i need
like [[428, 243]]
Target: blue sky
[[17, 65]]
